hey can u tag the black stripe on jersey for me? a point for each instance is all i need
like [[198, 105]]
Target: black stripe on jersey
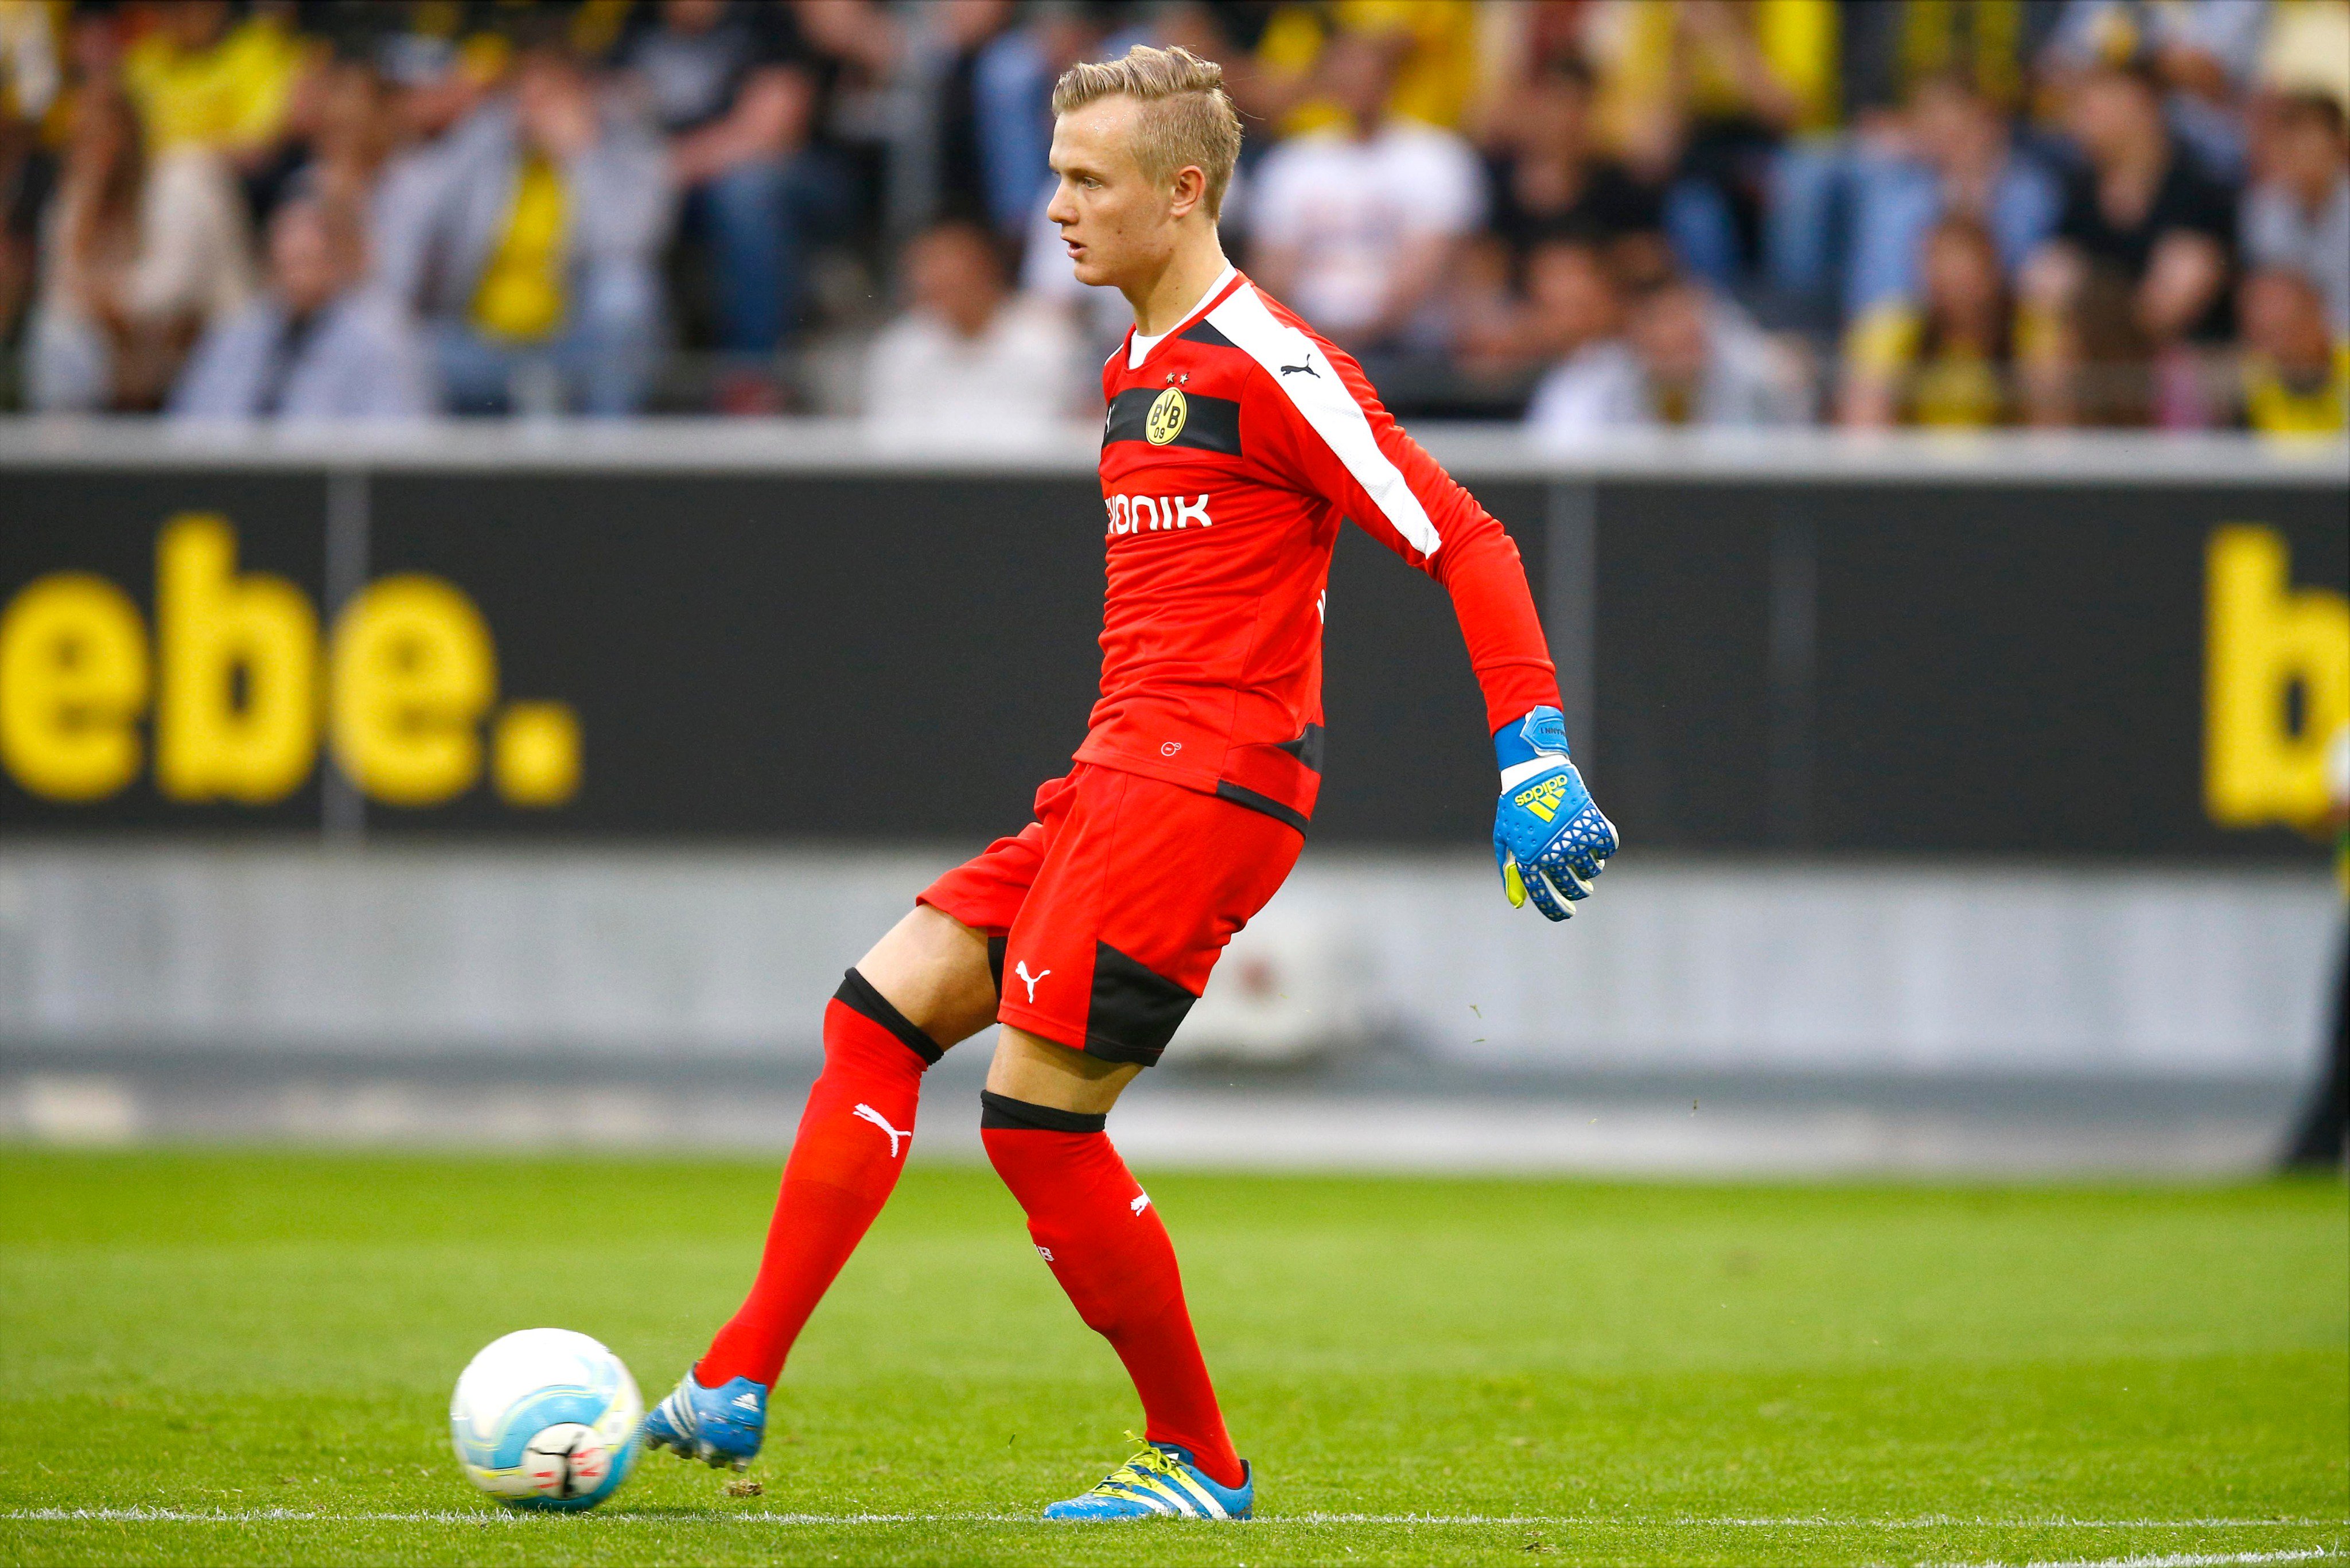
[[1205, 331], [1240, 794], [1210, 424], [1307, 748]]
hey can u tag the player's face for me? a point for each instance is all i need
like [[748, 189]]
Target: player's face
[[1117, 223]]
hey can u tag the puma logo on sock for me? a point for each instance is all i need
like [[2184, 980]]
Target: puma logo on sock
[[871, 1114]]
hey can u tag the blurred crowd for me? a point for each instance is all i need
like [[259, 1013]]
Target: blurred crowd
[[1579, 213]]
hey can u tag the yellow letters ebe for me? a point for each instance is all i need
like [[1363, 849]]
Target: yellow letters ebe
[[2264, 637], [411, 676]]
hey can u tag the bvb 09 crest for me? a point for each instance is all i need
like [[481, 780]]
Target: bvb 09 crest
[[1168, 411]]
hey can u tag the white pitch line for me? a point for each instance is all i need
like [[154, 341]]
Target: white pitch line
[[144, 1515], [1953, 1521], [2181, 1560], [1806, 1521]]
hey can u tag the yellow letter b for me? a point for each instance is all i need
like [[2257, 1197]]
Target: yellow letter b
[[239, 654], [2263, 638]]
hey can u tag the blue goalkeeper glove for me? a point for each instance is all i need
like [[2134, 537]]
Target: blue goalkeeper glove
[[1549, 840]]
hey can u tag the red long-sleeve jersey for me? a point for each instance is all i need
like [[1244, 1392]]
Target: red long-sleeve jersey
[[1236, 445]]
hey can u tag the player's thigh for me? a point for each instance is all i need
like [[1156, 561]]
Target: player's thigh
[[933, 969], [1139, 890], [1042, 1073], [941, 964]]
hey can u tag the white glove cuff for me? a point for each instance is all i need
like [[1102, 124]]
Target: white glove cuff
[[1517, 773]]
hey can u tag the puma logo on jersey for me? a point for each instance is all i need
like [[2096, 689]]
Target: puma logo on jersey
[[1020, 969], [1150, 514], [868, 1114], [1544, 798], [1141, 1202], [1307, 367]]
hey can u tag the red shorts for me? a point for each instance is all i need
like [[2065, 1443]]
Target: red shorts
[[1105, 915]]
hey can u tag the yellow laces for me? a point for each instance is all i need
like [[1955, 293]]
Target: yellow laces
[[1135, 1476]]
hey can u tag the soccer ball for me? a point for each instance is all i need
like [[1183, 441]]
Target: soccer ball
[[546, 1419]]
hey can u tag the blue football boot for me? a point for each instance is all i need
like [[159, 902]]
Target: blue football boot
[[720, 1426], [1160, 1481]]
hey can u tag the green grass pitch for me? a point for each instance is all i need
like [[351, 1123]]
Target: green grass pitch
[[245, 1357]]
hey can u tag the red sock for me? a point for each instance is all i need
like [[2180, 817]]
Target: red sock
[[846, 1156], [1102, 1241]]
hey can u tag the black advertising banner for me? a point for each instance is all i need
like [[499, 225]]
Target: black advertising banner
[[80, 686], [2001, 669], [1858, 665]]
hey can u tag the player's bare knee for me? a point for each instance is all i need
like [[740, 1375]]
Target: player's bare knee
[[1041, 1072], [933, 970]]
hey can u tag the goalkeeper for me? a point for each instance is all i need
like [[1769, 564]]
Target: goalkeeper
[[1237, 440]]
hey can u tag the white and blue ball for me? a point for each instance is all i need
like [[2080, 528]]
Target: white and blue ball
[[546, 1419]]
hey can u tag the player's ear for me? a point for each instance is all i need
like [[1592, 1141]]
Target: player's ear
[[1187, 190]]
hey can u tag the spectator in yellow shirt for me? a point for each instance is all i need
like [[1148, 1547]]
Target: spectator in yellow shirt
[[2295, 375], [1943, 361], [1699, 93], [528, 240], [199, 81], [1435, 51]]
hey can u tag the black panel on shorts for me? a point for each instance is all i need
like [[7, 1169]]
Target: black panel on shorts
[[1134, 1011], [995, 946], [1240, 795], [1307, 747], [1210, 424], [857, 994], [1002, 1111]]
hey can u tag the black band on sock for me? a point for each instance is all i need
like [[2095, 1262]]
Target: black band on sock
[[857, 994], [1002, 1111]]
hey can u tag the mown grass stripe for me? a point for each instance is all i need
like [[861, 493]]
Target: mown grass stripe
[[755, 1516]]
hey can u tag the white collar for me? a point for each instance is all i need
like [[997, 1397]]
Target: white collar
[[1139, 348]]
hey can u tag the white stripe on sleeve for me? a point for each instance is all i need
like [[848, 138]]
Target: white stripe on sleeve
[[1328, 406]]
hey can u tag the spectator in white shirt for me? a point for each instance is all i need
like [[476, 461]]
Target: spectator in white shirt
[[138, 254], [314, 344], [2298, 216], [1689, 358], [966, 363], [1355, 228]]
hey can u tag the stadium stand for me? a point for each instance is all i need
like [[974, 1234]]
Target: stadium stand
[[1889, 212]]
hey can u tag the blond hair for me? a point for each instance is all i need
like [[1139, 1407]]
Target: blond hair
[[1187, 120]]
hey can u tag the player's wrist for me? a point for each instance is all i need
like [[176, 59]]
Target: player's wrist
[[1530, 743]]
